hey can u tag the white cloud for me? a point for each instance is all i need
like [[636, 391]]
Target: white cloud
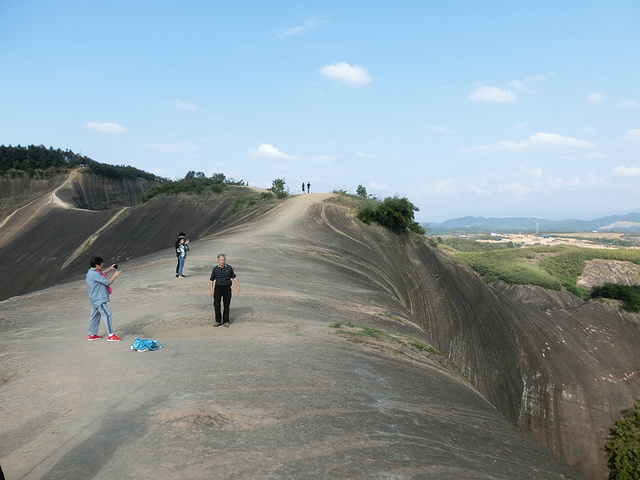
[[520, 86], [269, 151], [627, 103], [440, 129], [538, 78], [180, 105], [159, 172], [626, 171], [536, 172], [446, 186], [555, 182], [310, 24], [515, 187], [486, 93], [364, 155], [323, 159], [354, 76], [176, 147], [595, 97], [521, 125], [595, 181], [574, 181], [539, 142], [595, 156], [478, 190], [106, 127], [378, 186], [589, 130], [633, 135]]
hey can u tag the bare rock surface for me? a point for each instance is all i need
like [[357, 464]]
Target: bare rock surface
[[599, 272], [55, 224], [279, 394]]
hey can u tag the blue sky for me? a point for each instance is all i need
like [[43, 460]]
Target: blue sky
[[487, 108]]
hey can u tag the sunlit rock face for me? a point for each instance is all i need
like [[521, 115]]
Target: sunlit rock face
[[555, 366]]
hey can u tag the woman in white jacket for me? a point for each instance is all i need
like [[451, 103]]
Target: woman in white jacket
[[181, 251]]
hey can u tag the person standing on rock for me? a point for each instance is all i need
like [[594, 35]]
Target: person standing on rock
[[308, 187], [222, 276], [99, 290], [302, 187], [181, 236], [181, 252]]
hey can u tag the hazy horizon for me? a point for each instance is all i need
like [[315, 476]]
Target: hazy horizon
[[494, 109]]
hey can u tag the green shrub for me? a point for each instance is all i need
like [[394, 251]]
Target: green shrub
[[194, 183], [393, 212], [277, 187], [246, 202], [629, 294], [623, 446]]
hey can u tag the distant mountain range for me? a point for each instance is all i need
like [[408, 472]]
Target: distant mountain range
[[629, 223]]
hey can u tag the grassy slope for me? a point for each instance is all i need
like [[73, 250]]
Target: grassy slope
[[548, 267]]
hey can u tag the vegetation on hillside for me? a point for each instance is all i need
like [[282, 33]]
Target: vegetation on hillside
[[393, 212], [197, 183], [550, 267], [471, 245], [629, 294], [250, 200], [514, 266], [194, 183], [43, 162], [623, 446], [278, 188]]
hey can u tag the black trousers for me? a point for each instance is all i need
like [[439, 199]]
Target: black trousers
[[222, 292]]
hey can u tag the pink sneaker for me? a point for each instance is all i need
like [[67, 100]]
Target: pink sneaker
[[94, 337], [113, 338]]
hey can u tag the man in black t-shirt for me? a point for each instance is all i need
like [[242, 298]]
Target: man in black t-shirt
[[223, 277]]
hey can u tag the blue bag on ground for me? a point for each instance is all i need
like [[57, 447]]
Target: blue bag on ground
[[145, 345]]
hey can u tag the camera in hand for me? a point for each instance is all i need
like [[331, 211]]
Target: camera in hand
[[115, 266]]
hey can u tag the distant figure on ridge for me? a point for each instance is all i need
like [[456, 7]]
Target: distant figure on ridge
[[308, 187], [302, 187], [182, 247], [222, 276], [99, 288]]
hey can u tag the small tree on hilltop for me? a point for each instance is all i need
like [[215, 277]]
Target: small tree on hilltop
[[361, 191], [623, 447], [277, 186]]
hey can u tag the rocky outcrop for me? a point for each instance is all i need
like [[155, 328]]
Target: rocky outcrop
[[22, 186], [89, 191], [599, 272], [561, 372]]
